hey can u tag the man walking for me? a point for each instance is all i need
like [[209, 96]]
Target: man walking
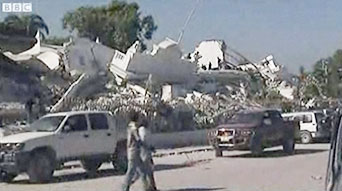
[[146, 154], [135, 164]]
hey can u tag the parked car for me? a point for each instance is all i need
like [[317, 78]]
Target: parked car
[[313, 125], [89, 136], [254, 130]]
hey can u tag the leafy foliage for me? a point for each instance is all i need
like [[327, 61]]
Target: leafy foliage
[[328, 72], [117, 25], [26, 25], [56, 40]]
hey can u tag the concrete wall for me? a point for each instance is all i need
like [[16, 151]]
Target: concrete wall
[[166, 66], [179, 139], [169, 140]]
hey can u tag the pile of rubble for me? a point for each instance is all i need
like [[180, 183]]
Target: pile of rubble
[[213, 109], [182, 93], [273, 75], [195, 111]]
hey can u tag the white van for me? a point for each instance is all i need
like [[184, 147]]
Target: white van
[[312, 125]]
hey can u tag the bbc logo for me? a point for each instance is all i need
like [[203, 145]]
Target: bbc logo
[[16, 7]]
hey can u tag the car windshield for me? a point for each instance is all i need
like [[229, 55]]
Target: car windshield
[[247, 117], [319, 116], [46, 124]]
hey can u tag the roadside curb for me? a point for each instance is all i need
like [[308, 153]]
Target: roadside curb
[[163, 153], [188, 151]]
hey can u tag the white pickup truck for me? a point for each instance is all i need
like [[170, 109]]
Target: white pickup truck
[[89, 136], [312, 125]]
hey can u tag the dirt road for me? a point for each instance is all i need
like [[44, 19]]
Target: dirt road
[[201, 171]]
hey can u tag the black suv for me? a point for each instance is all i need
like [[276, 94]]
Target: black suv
[[253, 130]]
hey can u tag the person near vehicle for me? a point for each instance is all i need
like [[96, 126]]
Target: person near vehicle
[[135, 163], [146, 153], [1, 122], [28, 107]]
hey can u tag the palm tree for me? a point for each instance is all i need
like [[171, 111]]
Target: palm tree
[[26, 25]]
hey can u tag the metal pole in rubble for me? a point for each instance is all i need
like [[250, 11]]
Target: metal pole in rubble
[[187, 22], [325, 68]]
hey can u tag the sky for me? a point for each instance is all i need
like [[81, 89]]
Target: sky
[[297, 33]]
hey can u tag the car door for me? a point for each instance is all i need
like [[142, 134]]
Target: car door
[[277, 125], [74, 137], [308, 122], [267, 127], [333, 180], [102, 137]]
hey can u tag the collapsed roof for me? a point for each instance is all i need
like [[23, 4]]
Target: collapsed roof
[[275, 76], [89, 57], [216, 55], [49, 55], [16, 44], [164, 63], [212, 59]]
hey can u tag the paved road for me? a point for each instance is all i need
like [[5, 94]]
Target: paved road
[[201, 171]]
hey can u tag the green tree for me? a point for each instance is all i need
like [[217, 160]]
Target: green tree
[[117, 25], [310, 91], [334, 75], [327, 72], [301, 79], [26, 25], [56, 40], [320, 73]]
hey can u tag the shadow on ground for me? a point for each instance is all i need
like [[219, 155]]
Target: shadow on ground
[[110, 172], [196, 189], [160, 167], [278, 153], [75, 177]]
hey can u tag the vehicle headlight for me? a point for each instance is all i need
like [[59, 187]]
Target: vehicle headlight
[[246, 132], [12, 146], [18, 146]]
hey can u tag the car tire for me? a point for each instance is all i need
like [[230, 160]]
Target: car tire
[[218, 152], [7, 177], [305, 137], [40, 168], [91, 165], [256, 146], [289, 146], [120, 160]]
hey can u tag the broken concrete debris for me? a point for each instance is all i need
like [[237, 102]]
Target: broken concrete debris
[[195, 111], [215, 55], [271, 74], [48, 55], [164, 63], [178, 92]]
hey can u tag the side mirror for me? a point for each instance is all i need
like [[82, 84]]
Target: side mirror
[[266, 115], [66, 129]]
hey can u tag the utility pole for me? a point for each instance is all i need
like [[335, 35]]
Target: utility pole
[[187, 22], [325, 68]]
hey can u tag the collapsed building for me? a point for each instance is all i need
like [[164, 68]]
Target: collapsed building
[[216, 55], [175, 92], [274, 76], [29, 71], [171, 89]]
